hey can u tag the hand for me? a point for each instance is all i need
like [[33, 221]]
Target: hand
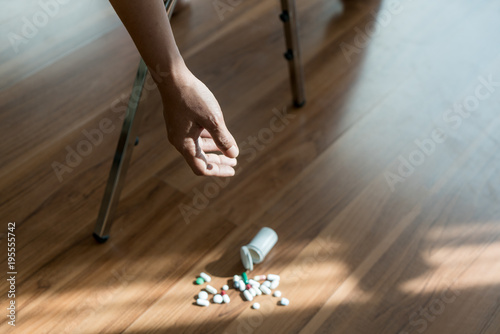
[[195, 125]]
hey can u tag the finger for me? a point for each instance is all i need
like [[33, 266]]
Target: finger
[[220, 170], [222, 137], [206, 164], [194, 156], [205, 134], [211, 166], [208, 145], [219, 159]]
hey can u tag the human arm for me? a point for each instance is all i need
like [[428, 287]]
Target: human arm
[[194, 120]]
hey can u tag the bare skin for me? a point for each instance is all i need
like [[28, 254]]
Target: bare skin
[[194, 120]]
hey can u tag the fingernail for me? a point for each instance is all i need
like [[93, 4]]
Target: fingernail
[[233, 151]]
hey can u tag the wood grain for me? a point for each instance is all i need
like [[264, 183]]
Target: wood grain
[[355, 255]]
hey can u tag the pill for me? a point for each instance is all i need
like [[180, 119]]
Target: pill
[[256, 306], [217, 299], [253, 283], [258, 291], [202, 302], [277, 293], [248, 295], [236, 278], [260, 278], [272, 277], [265, 289], [205, 277], [236, 284], [245, 278], [199, 281], [274, 284], [284, 301], [252, 291], [223, 292], [242, 286], [248, 286], [226, 299], [267, 283], [211, 289], [203, 295], [225, 287]]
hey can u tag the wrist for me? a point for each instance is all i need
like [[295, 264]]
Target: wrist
[[172, 85], [171, 73]]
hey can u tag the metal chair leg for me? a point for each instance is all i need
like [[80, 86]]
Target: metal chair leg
[[121, 160], [124, 150], [289, 18]]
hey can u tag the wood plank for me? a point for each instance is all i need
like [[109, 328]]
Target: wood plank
[[355, 254]]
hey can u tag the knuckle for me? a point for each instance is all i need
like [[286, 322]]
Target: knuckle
[[183, 148], [226, 142], [215, 121]]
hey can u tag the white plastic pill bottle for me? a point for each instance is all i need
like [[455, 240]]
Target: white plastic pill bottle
[[258, 248]]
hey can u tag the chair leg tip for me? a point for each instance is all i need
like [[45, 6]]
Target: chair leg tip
[[100, 239], [299, 104]]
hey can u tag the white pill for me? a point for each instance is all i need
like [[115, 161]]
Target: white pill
[[267, 283], [226, 299], [211, 289], [248, 295], [205, 277], [257, 290], [260, 278], [202, 302], [256, 306], [236, 278], [272, 277], [252, 291], [203, 295], [242, 286], [265, 289], [217, 299], [284, 301], [253, 283], [274, 284], [236, 284], [225, 287], [277, 293]]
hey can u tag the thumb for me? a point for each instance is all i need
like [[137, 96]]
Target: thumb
[[222, 137]]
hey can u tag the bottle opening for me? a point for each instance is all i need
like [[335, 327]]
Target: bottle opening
[[256, 255]]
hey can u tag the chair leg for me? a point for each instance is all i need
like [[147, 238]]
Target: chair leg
[[126, 143], [121, 160], [289, 18]]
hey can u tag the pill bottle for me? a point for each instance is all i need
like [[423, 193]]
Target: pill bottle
[[258, 248]]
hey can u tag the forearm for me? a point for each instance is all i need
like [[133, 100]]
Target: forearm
[[147, 23], [193, 117]]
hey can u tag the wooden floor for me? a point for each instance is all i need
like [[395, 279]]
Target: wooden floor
[[376, 233]]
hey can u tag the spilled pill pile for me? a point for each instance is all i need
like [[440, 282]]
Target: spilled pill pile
[[250, 288]]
